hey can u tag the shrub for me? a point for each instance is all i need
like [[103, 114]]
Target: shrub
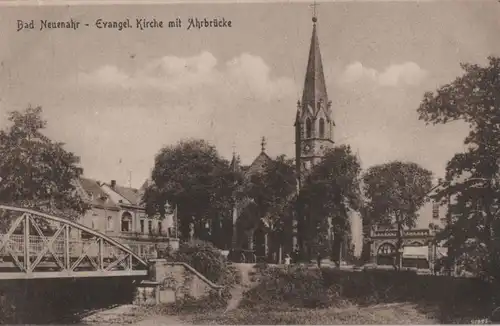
[[211, 263], [207, 260], [296, 286], [311, 288]]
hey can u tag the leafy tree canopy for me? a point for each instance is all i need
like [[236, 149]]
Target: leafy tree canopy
[[395, 192], [472, 177], [271, 190], [331, 190], [193, 176], [36, 172]]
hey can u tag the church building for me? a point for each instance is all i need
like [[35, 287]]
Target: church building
[[314, 134]]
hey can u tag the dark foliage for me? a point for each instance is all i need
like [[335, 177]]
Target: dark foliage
[[207, 260], [193, 172], [471, 186], [36, 172], [452, 299], [296, 286], [395, 192], [330, 191]]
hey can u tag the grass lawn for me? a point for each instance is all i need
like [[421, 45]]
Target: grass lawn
[[378, 314]]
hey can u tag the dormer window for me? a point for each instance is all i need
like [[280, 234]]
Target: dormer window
[[91, 195]]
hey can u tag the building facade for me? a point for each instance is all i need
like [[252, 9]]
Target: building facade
[[118, 212], [419, 246]]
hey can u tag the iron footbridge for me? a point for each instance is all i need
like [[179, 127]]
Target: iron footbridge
[[35, 245]]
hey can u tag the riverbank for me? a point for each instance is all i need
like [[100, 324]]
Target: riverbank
[[393, 314], [131, 315]]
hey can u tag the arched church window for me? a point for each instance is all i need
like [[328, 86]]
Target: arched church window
[[321, 128], [308, 128], [126, 222]]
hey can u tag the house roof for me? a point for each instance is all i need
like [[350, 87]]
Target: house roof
[[94, 194], [130, 194]]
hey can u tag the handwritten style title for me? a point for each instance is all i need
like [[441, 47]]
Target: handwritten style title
[[126, 23]]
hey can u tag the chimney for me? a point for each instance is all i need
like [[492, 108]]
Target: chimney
[[113, 183]]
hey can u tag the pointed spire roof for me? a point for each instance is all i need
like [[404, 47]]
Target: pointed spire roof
[[235, 163], [314, 85]]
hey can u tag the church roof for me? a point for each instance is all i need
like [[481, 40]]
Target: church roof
[[314, 85], [259, 164]]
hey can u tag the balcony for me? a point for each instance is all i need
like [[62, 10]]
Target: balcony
[[140, 236]]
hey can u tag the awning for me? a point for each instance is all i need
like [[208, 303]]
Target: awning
[[420, 252]]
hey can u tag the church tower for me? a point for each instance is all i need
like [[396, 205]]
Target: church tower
[[313, 122]]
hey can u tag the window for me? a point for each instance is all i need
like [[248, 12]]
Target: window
[[387, 249], [435, 210], [308, 128], [94, 223], [142, 226], [321, 128], [110, 223], [126, 222], [150, 226], [159, 227]]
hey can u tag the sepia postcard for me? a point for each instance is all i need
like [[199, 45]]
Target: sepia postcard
[[228, 162]]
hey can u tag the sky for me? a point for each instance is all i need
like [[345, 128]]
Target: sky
[[117, 97]]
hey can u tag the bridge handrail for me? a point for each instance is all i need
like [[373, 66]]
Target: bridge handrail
[[194, 271], [78, 226]]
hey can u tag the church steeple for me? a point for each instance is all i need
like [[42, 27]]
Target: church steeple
[[314, 85], [313, 122]]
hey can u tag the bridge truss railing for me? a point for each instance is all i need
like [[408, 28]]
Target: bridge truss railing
[[36, 243]]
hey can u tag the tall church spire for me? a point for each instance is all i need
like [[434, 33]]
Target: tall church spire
[[313, 122], [314, 85]]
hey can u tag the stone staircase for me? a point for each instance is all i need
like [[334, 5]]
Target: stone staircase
[[248, 280]]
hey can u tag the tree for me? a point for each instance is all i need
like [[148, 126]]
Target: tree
[[193, 176], [395, 192], [471, 186], [271, 188], [270, 192], [36, 172], [330, 192]]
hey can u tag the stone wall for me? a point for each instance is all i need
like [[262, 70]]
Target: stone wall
[[170, 281]]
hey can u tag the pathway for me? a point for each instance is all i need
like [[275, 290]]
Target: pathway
[[246, 283]]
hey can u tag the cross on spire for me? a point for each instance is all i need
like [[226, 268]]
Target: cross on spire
[[263, 144], [314, 6]]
